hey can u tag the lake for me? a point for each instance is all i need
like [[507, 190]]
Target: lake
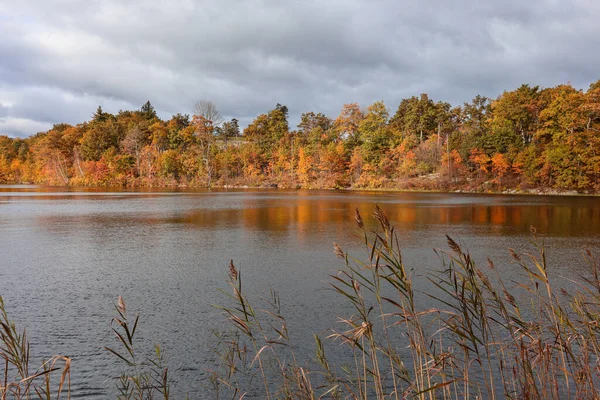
[[67, 253]]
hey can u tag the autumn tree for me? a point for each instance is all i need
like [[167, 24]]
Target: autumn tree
[[315, 129], [333, 161], [545, 138], [133, 143], [591, 106], [205, 139], [267, 130], [98, 137], [453, 165], [500, 167], [179, 136], [347, 124], [473, 126], [305, 166], [229, 130], [416, 115], [481, 160], [374, 133], [54, 150], [515, 117]]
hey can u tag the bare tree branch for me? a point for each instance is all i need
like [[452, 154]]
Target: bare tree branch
[[208, 110]]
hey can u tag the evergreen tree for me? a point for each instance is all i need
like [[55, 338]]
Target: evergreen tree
[[148, 111], [229, 129], [100, 115]]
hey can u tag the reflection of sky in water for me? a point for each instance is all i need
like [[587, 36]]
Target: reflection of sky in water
[[67, 254]]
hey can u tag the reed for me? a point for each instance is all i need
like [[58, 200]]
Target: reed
[[148, 379], [19, 378], [484, 338]]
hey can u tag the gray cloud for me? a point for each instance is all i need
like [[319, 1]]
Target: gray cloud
[[3, 111], [15, 127], [61, 59]]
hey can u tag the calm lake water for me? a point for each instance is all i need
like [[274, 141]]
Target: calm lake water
[[67, 253]]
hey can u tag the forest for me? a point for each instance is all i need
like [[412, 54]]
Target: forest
[[528, 139]]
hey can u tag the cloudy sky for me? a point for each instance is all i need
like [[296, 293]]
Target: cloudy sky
[[60, 59]]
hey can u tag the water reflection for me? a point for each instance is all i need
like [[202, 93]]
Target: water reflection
[[277, 212]]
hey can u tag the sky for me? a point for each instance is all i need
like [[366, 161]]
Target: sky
[[61, 59]]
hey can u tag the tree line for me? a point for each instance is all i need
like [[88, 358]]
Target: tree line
[[528, 138]]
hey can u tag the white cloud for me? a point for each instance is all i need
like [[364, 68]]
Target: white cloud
[[21, 127]]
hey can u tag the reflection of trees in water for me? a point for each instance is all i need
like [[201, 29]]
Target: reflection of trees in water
[[303, 213]]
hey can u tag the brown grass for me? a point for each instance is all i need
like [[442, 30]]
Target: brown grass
[[481, 340], [20, 380]]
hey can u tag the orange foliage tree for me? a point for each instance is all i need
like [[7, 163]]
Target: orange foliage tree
[[541, 137]]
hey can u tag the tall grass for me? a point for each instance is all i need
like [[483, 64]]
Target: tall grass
[[478, 337], [147, 379], [483, 338], [19, 379]]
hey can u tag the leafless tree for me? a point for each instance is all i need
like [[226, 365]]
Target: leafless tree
[[133, 143], [208, 110]]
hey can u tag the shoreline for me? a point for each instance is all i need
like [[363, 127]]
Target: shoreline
[[516, 192]]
